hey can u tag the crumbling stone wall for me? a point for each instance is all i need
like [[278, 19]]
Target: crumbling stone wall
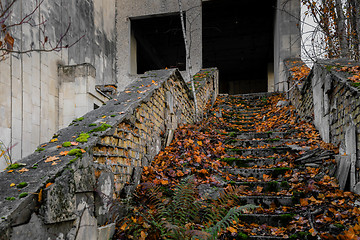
[[328, 98], [73, 188]]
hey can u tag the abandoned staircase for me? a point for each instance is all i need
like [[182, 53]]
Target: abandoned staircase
[[278, 171]]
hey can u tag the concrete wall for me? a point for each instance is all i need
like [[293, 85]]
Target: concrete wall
[[72, 197], [126, 45], [287, 39], [328, 98], [30, 106]]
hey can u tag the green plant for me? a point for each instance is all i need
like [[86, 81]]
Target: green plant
[[78, 119], [92, 124], [173, 216]]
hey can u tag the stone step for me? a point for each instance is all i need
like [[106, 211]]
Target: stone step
[[244, 163], [267, 201], [265, 237], [263, 142], [275, 220], [258, 173], [271, 186], [259, 152], [260, 135]]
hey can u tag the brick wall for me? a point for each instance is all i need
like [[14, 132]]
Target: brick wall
[[73, 196], [328, 98]]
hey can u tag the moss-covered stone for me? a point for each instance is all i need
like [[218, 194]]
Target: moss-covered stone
[[74, 152], [66, 144], [101, 128], [22, 195], [83, 137], [22, 185]]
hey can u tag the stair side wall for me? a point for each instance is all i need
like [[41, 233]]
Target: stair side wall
[[328, 98]]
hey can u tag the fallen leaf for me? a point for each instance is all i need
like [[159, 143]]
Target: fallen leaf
[[54, 140], [51, 159], [23, 170], [48, 184], [64, 153], [13, 184]]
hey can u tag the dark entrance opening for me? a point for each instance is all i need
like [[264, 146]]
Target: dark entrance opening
[[159, 43], [238, 38]]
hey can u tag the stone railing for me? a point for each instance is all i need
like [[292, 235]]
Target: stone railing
[[328, 98], [72, 186]]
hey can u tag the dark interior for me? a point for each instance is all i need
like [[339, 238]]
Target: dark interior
[[238, 39], [160, 43]]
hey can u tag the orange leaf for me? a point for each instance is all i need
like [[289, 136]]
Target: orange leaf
[[231, 229], [164, 182], [23, 170], [48, 184], [64, 153], [199, 143], [304, 202], [40, 196], [74, 143]]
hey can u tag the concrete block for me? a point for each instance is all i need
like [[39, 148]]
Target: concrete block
[[60, 200], [88, 227], [106, 232], [35, 229], [342, 173], [351, 147]]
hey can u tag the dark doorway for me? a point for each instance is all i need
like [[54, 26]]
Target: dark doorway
[[159, 43], [238, 38]]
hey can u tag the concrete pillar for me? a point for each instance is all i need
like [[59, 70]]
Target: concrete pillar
[[287, 42]]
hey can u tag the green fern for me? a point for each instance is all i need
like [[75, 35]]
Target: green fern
[[183, 215]]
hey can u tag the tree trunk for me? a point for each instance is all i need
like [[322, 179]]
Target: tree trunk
[[341, 29], [188, 60]]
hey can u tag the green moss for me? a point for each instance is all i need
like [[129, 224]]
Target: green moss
[[279, 171], [76, 152], [14, 166], [73, 160], [39, 149], [103, 127], [272, 186], [286, 218], [78, 119], [285, 185], [92, 124], [113, 115], [83, 137], [242, 236], [238, 162], [10, 198], [22, 185], [340, 226], [66, 144], [232, 134], [274, 140], [22, 195]]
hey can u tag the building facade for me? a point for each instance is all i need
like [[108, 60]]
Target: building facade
[[42, 92]]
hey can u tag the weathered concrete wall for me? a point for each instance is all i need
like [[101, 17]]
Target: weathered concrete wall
[[126, 46], [328, 98], [73, 197], [29, 83], [287, 37]]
